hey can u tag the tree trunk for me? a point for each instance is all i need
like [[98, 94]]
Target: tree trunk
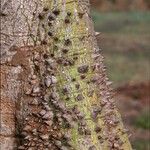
[[57, 84]]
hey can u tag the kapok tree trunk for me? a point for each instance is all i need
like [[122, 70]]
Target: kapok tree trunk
[[64, 101]]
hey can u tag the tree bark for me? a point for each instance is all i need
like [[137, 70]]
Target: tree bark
[[58, 88]]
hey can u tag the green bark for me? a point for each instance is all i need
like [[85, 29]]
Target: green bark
[[75, 88]]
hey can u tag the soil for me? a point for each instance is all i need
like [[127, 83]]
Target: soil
[[132, 101]]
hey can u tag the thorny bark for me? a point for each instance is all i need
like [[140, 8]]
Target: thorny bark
[[54, 71]]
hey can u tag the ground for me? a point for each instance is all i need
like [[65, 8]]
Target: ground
[[133, 103]]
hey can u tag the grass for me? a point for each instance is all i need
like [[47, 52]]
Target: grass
[[124, 22], [141, 145], [125, 44], [127, 67], [143, 121]]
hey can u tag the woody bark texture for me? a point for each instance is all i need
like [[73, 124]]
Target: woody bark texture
[[59, 94]]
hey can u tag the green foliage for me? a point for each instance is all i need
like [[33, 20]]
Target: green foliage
[[127, 66], [143, 121], [112, 1], [141, 145], [124, 22]]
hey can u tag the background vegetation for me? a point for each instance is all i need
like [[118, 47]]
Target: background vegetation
[[125, 44]]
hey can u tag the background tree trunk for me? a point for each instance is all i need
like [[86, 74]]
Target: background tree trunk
[[54, 81]]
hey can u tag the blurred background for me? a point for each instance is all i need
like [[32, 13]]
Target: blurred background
[[125, 44]]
